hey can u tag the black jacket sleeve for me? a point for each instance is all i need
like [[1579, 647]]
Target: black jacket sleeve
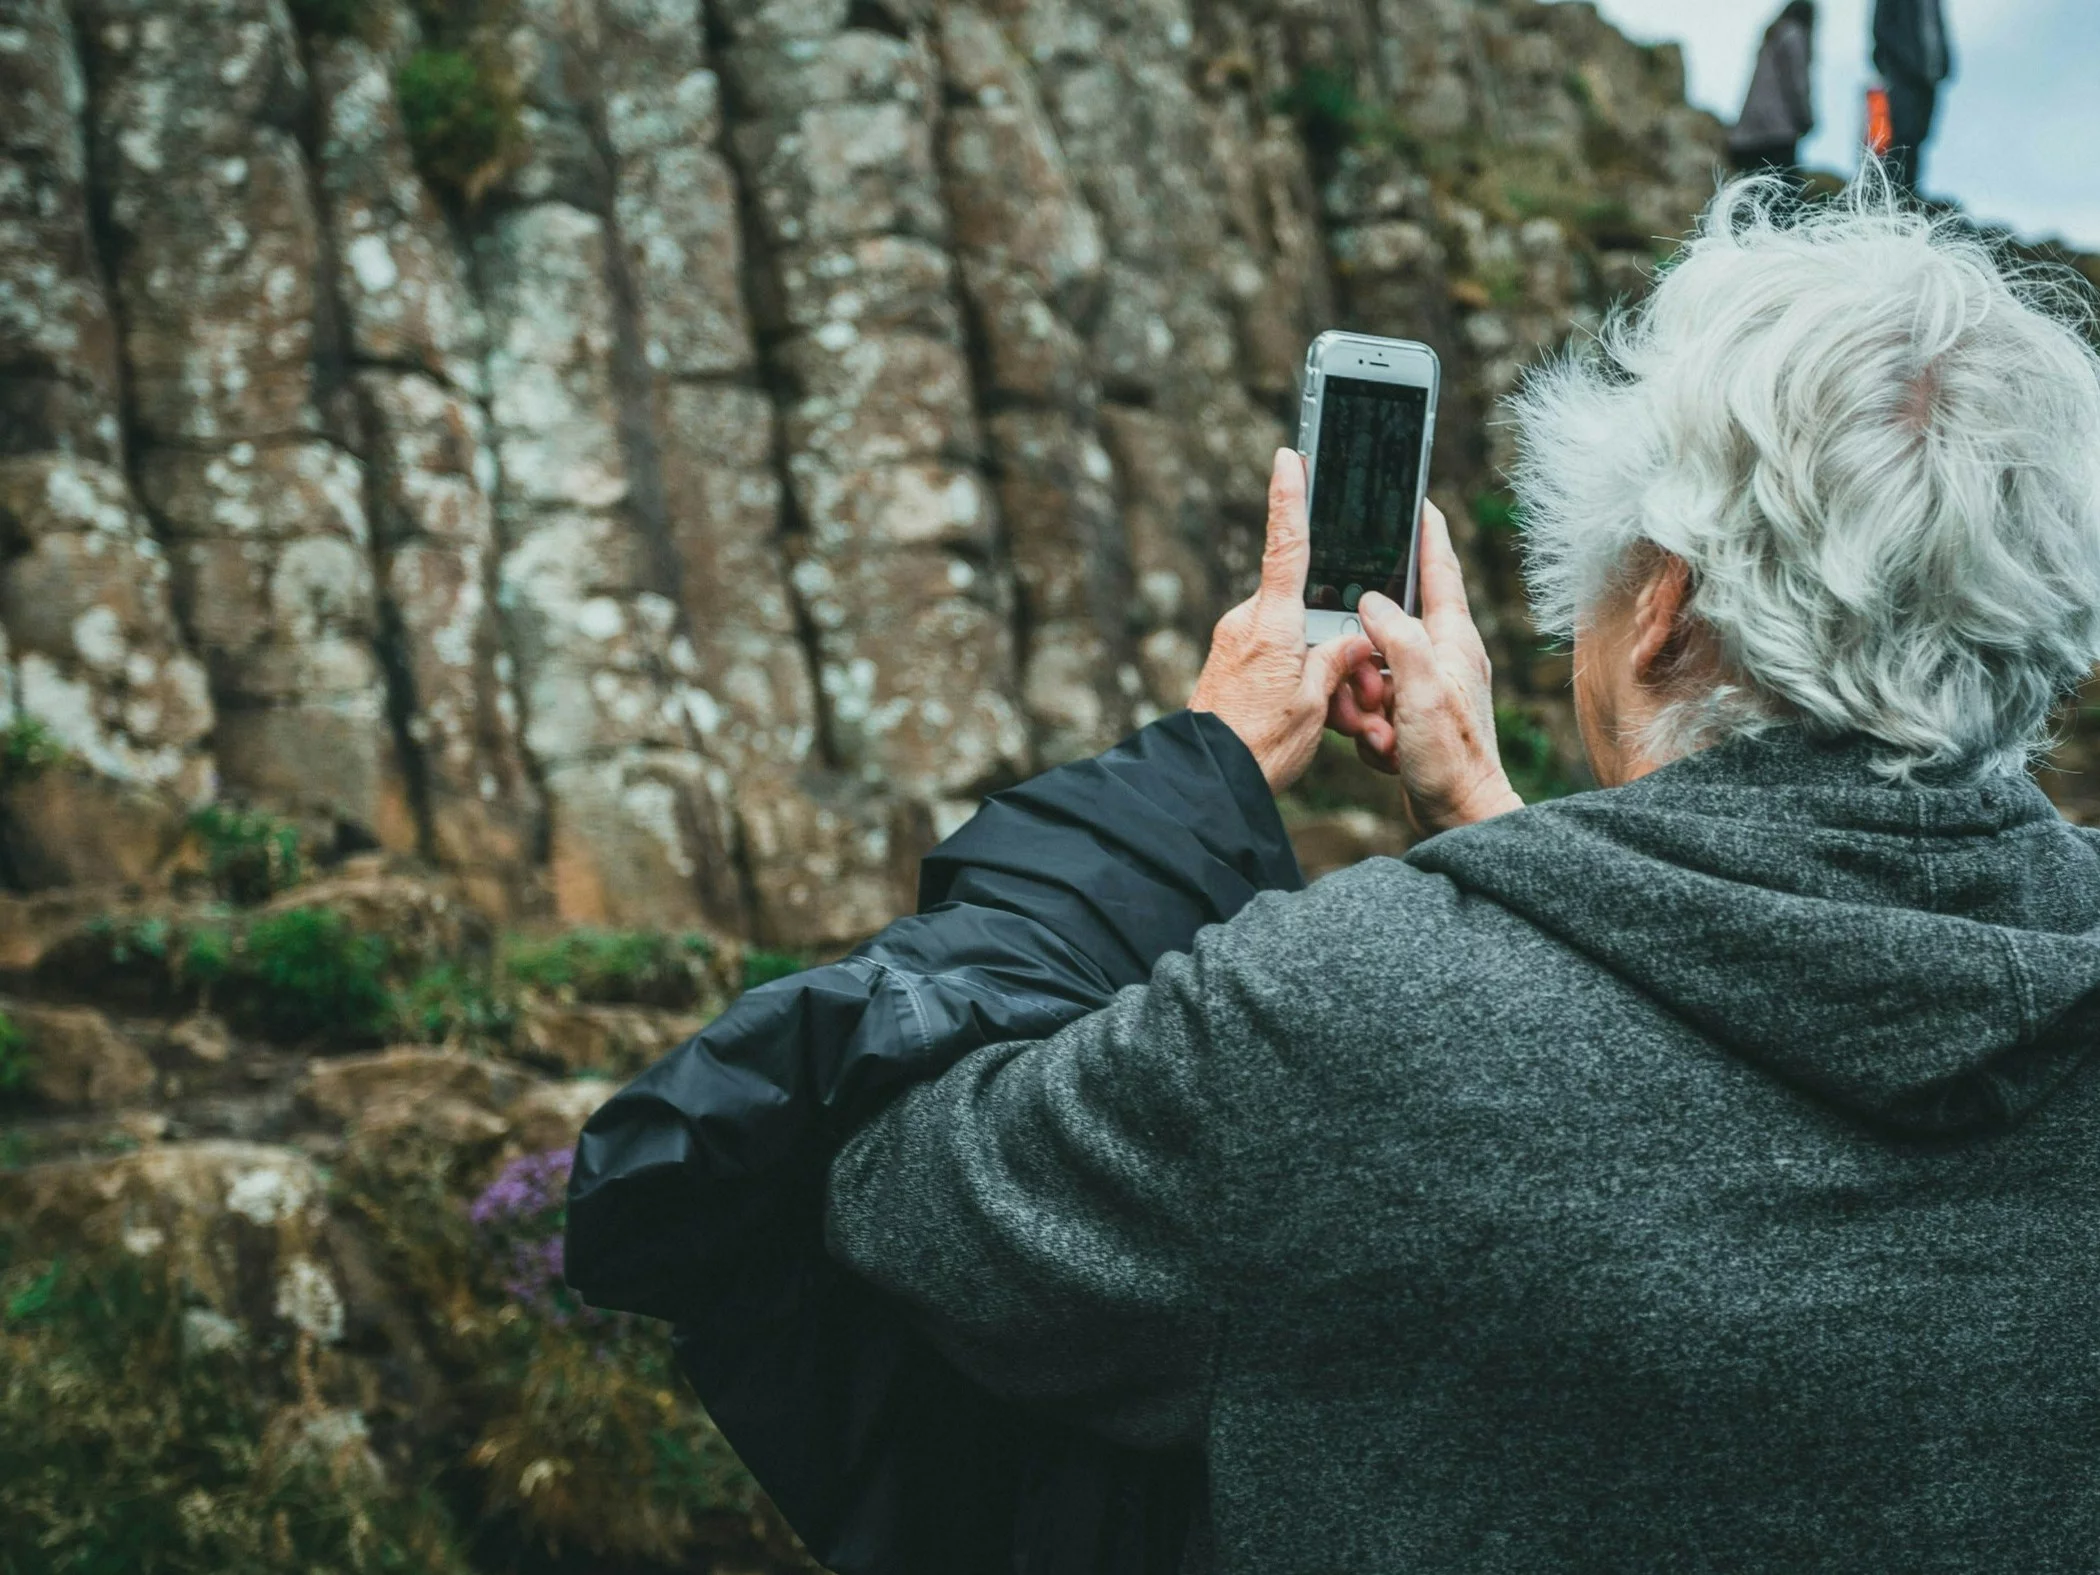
[[698, 1191]]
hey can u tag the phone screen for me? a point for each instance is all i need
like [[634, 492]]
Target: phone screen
[[1366, 472]]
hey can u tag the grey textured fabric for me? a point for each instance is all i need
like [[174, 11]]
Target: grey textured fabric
[[1779, 107], [1703, 1174]]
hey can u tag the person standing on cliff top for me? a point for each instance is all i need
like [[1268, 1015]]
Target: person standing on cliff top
[[1911, 53], [1780, 108]]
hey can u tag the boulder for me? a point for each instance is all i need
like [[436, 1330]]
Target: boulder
[[425, 919], [78, 1059], [35, 924], [616, 1041], [439, 1096], [242, 1225], [68, 826], [550, 1115]]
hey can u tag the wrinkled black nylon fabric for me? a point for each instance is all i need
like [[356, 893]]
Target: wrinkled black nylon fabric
[[697, 1192]]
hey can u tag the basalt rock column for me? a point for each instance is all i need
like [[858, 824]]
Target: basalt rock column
[[1194, 271], [1031, 255], [91, 655], [98, 664], [416, 341], [897, 568], [216, 250], [58, 350], [640, 823], [824, 859]]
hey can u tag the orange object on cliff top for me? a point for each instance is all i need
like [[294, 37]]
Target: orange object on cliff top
[[1881, 134]]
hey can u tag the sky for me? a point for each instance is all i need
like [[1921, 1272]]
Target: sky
[[2017, 139]]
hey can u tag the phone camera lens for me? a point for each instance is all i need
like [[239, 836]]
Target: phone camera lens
[[1351, 595]]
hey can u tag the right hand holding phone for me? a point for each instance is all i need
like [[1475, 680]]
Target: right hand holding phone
[[1429, 717]]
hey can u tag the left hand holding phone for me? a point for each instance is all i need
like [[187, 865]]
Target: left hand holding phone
[[1259, 679]]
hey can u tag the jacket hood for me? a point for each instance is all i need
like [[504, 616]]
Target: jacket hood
[[1925, 958]]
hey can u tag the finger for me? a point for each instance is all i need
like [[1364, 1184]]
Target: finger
[[1288, 549], [1328, 665], [1371, 729], [1400, 639], [1444, 606], [1367, 683]]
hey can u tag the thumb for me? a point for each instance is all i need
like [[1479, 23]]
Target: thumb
[[1288, 548], [1328, 666], [1400, 638]]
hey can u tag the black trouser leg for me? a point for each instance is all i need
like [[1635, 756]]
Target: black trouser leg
[[1910, 123]]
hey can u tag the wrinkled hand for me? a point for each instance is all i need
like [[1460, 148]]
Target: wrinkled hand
[[1429, 719], [1259, 679]]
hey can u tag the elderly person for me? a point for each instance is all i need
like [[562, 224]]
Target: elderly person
[[1780, 108], [1699, 1173], [1912, 54]]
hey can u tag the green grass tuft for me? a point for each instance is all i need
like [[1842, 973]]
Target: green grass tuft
[[640, 966], [16, 1062], [1332, 116], [461, 117], [763, 967], [29, 748], [454, 1005], [251, 856], [306, 972]]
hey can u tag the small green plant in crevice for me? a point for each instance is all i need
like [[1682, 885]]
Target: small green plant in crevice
[[134, 940], [1323, 102], [452, 1004], [28, 748], [1331, 115], [15, 1059], [148, 958], [250, 856], [641, 966], [206, 955], [763, 967], [1529, 759], [461, 115], [307, 972]]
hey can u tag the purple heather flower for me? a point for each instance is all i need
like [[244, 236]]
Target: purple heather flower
[[530, 1187], [520, 1215]]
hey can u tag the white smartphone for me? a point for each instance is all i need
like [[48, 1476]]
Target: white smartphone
[[1364, 427]]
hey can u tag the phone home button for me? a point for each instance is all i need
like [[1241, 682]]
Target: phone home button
[[1351, 626]]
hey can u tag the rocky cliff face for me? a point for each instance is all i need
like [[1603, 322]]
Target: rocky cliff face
[[803, 416]]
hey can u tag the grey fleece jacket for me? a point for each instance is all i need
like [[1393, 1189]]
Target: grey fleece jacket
[[1699, 1175]]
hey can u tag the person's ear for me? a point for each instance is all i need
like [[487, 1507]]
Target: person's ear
[[1659, 627]]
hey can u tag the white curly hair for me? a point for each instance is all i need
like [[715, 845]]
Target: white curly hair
[[1875, 442]]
